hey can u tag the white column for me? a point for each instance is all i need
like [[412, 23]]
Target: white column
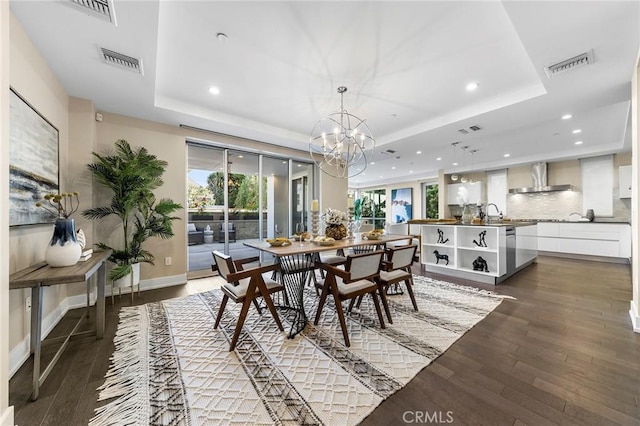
[[635, 196]]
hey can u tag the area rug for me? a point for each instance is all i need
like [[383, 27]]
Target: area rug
[[170, 367]]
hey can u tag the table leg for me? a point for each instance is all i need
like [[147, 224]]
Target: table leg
[[101, 282], [36, 341], [294, 270]]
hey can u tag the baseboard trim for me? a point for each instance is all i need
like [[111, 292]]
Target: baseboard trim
[[154, 283], [7, 417], [635, 317], [20, 353], [623, 260]]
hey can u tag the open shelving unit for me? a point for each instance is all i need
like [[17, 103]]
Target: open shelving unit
[[463, 244]]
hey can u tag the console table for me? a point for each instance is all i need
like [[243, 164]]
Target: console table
[[42, 275]]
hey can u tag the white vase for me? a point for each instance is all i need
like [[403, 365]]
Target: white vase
[[63, 249]]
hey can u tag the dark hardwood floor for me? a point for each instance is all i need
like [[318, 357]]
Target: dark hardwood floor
[[562, 352]]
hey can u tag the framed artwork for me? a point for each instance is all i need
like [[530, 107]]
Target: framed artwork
[[401, 210], [33, 162]]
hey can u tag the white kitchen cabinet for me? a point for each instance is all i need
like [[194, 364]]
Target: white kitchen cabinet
[[624, 181], [474, 190], [597, 185], [593, 239]]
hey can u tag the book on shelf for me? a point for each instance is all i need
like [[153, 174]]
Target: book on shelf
[[87, 251]]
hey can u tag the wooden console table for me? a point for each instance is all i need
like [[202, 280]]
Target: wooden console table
[[42, 275]]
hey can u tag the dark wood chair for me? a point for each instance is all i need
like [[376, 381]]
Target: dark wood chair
[[395, 270], [357, 279], [244, 286]]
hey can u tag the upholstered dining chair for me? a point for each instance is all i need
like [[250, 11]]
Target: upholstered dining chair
[[356, 279], [395, 270], [243, 286]]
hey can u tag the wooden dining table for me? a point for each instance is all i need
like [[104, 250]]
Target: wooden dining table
[[298, 260]]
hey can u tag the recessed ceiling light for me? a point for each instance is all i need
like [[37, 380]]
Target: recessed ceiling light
[[372, 163], [439, 159], [578, 142], [577, 131], [455, 164], [393, 168], [222, 37], [567, 116], [472, 86], [418, 152], [381, 176], [284, 162], [410, 171], [240, 156], [299, 165], [214, 90], [507, 155]]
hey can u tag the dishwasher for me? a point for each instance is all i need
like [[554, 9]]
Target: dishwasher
[[511, 249]]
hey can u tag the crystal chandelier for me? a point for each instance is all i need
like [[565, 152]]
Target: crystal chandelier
[[341, 143]]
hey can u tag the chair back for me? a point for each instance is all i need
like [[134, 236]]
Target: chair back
[[402, 257], [364, 266], [366, 248], [224, 263]]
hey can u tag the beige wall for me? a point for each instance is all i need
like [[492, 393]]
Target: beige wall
[[32, 78], [6, 413], [168, 144]]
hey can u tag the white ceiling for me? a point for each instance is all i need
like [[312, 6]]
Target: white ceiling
[[406, 65]]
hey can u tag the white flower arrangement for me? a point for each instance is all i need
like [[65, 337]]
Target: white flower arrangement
[[334, 217]]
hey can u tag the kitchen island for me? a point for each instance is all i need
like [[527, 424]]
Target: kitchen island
[[488, 253]]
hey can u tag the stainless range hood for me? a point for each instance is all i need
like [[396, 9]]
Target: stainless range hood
[[539, 178]]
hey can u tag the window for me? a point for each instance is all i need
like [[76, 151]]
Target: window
[[373, 207], [430, 191]]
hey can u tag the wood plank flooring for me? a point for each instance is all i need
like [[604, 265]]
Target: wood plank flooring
[[562, 353]]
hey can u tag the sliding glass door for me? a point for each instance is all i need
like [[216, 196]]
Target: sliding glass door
[[236, 196]]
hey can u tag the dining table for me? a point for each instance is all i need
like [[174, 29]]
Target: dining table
[[298, 260]]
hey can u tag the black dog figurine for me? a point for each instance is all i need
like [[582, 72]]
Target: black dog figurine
[[480, 264], [440, 256]]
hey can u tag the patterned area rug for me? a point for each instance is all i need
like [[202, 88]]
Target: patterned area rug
[[170, 367]]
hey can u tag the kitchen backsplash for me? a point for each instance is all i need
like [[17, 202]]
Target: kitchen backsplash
[[559, 205]]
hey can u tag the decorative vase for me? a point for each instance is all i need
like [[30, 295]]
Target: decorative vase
[[467, 216], [337, 232], [63, 249]]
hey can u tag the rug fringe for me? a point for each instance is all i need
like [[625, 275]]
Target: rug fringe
[[127, 378]]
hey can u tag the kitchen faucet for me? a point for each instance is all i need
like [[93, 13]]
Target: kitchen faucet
[[497, 210]]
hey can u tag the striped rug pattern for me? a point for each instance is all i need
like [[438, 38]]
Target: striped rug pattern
[[170, 367]]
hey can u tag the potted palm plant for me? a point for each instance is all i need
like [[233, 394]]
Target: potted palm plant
[[132, 175]]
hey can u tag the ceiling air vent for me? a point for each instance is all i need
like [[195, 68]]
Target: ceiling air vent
[[122, 61], [102, 9], [463, 131], [581, 60], [475, 128]]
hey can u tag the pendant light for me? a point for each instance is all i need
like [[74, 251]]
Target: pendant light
[[463, 179], [454, 176], [471, 180]]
